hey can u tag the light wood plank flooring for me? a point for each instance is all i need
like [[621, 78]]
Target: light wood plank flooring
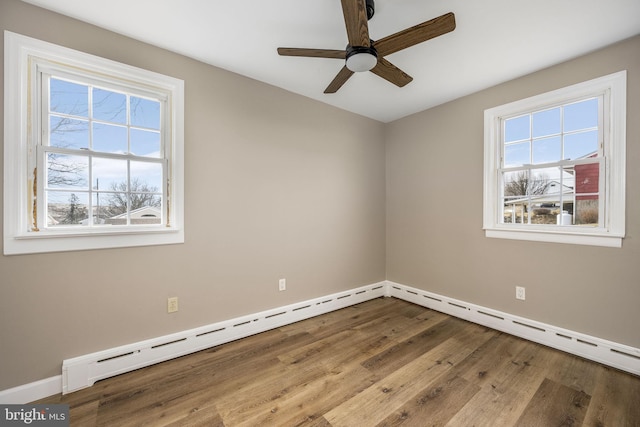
[[384, 362]]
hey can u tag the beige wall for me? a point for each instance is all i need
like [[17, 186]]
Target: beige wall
[[435, 240], [277, 185]]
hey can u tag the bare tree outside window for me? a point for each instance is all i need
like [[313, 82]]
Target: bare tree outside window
[[76, 212], [522, 185], [63, 173], [139, 195]]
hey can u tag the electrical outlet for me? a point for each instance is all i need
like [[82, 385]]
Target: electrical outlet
[[520, 293], [172, 305], [282, 284]]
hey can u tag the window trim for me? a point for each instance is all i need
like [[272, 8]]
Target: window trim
[[613, 87], [21, 54]]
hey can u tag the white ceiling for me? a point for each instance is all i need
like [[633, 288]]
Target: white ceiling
[[494, 41]]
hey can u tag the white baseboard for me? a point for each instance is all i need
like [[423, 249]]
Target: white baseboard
[[609, 353], [83, 371], [32, 391]]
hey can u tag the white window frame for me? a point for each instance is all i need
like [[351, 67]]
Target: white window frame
[[23, 56], [613, 89]]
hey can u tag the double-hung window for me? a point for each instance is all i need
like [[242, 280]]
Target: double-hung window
[[93, 151], [555, 165]]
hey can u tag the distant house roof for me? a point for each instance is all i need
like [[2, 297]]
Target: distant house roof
[[588, 156], [143, 212]]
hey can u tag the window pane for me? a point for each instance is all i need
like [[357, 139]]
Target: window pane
[[545, 212], [517, 154], [66, 171], [147, 209], [145, 143], [581, 115], [145, 113], [517, 129], [68, 98], [109, 138], [66, 208], [109, 106], [541, 182], [546, 150], [113, 206], [68, 133], [109, 174], [515, 184], [550, 210], [546, 123], [147, 177], [587, 178], [587, 208], [580, 145]]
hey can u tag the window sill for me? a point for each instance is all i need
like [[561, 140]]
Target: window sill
[[607, 240], [71, 240]]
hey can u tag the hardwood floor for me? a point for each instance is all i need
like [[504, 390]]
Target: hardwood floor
[[385, 362]]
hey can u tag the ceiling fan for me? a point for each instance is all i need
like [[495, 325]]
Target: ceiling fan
[[363, 54]]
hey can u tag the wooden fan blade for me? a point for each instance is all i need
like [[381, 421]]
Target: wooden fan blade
[[339, 80], [416, 34], [355, 19], [391, 73], [312, 53]]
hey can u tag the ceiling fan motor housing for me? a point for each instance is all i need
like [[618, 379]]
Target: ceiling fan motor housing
[[371, 8]]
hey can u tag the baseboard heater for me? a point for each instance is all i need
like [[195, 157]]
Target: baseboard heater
[[609, 353], [83, 371]]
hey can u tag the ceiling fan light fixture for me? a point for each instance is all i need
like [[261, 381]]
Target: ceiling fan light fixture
[[361, 58]]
